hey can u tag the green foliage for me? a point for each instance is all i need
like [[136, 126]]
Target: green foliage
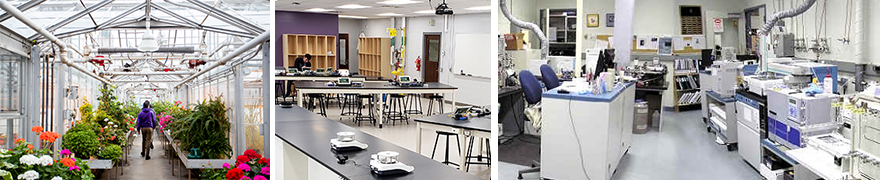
[[110, 151], [205, 128], [131, 108], [109, 105], [82, 140]]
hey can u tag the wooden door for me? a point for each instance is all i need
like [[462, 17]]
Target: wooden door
[[343, 51], [431, 58]]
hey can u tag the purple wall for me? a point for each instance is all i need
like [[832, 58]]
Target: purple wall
[[288, 22]]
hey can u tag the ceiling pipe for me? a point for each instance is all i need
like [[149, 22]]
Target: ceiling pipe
[[785, 14], [180, 50], [146, 81], [545, 43], [241, 50], [61, 45], [146, 73]]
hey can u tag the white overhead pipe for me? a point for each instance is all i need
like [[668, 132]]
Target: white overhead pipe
[[241, 50], [146, 73], [861, 29], [545, 43], [146, 81], [61, 45], [771, 21]]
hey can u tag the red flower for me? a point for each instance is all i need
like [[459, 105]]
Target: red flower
[[112, 137], [19, 140], [264, 161], [234, 173], [251, 154], [241, 159], [37, 129]]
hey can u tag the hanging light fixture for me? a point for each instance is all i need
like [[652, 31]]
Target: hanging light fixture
[[148, 43]]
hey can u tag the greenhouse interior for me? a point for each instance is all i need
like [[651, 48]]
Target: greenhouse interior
[[107, 89]]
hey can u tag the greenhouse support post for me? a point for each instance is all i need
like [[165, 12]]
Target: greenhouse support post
[[240, 143], [31, 108], [60, 91], [267, 103]]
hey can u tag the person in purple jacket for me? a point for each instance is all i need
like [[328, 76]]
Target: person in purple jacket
[[145, 125]]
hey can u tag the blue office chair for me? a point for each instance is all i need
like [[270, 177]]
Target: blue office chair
[[531, 88], [549, 77]]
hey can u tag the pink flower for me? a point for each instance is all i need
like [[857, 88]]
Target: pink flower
[[244, 167], [74, 168], [265, 170], [65, 152], [258, 177], [226, 165]]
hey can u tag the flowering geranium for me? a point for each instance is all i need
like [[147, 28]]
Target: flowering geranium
[[65, 152], [37, 129], [69, 162], [24, 162], [29, 175], [49, 136], [249, 165]]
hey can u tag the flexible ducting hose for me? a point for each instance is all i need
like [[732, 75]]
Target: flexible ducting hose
[[545, 43], [786, 14]]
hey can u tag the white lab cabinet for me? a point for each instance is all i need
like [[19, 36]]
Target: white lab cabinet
[[601, 124]]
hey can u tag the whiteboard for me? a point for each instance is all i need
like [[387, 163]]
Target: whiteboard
[[473, 54]]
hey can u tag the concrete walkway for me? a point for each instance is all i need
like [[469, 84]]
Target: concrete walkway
[[158, 167]]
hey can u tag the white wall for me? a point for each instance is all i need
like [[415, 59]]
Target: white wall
[[471, 90], [376, 27], [352, 27]]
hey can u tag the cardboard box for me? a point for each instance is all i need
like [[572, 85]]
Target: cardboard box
[[514, 41]]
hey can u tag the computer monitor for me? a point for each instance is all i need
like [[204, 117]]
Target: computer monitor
[[319, 70], [306, 68], [404, 79], [329, 69], [292, 69], [343, 81]]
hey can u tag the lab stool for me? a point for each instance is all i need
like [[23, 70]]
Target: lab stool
[[458, 143], [395, 110], [479, 156], [279, 92], [348, 101], [317, 100], [360, 115], [431, 100], [413, 104]]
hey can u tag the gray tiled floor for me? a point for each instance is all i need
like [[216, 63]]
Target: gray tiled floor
[[684, 150]]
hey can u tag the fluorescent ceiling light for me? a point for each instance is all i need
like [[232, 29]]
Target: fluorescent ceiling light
[[479, 8], [390, 14], [425, 12], [398, 2], [319, 10], [353, 6], [352, 17]]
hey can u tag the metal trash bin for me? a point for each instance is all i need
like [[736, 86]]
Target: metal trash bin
[[640, 121]]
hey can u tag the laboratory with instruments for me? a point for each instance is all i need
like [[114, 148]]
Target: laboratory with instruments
[[688, 89]]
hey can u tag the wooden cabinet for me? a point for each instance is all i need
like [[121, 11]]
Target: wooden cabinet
[[374, 57], [322, 48]]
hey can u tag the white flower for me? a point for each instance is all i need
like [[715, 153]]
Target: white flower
[[7, 165], [3, 172], [110, 123], [29, 175], [29, 160], [105, 119], [57, 178], [115, 126], [46, 160]]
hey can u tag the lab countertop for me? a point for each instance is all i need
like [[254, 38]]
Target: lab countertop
[[604, 97], [312, 137], [368, 85], [476, 123]]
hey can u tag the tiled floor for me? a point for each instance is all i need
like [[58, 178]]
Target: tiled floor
[[684, 150], [158, 167], [406, 135]]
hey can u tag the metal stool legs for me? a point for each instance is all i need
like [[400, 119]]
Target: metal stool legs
[[458, 144]]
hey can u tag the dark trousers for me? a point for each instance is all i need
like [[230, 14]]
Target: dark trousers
[[148, 140]]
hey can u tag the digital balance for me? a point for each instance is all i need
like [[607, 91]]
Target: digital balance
[[386, 163], [345, 142]]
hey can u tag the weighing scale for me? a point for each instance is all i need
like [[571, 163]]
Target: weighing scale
[[343, 81], [386, 163], [345, 142]]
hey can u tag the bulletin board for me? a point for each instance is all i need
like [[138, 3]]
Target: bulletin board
[[685, 50]]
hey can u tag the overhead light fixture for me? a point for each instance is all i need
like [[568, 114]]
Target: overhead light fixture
[[148, 43], [390, 14], [398, 2], [319, 10], [479, 8], [352, 17], [353, 6], [430, 11]]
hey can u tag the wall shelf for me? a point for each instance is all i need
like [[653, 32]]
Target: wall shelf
[[321, 47], [374, 56]]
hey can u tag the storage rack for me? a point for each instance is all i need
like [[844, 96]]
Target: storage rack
[[681, 70], [374, 57], [321, 47]]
